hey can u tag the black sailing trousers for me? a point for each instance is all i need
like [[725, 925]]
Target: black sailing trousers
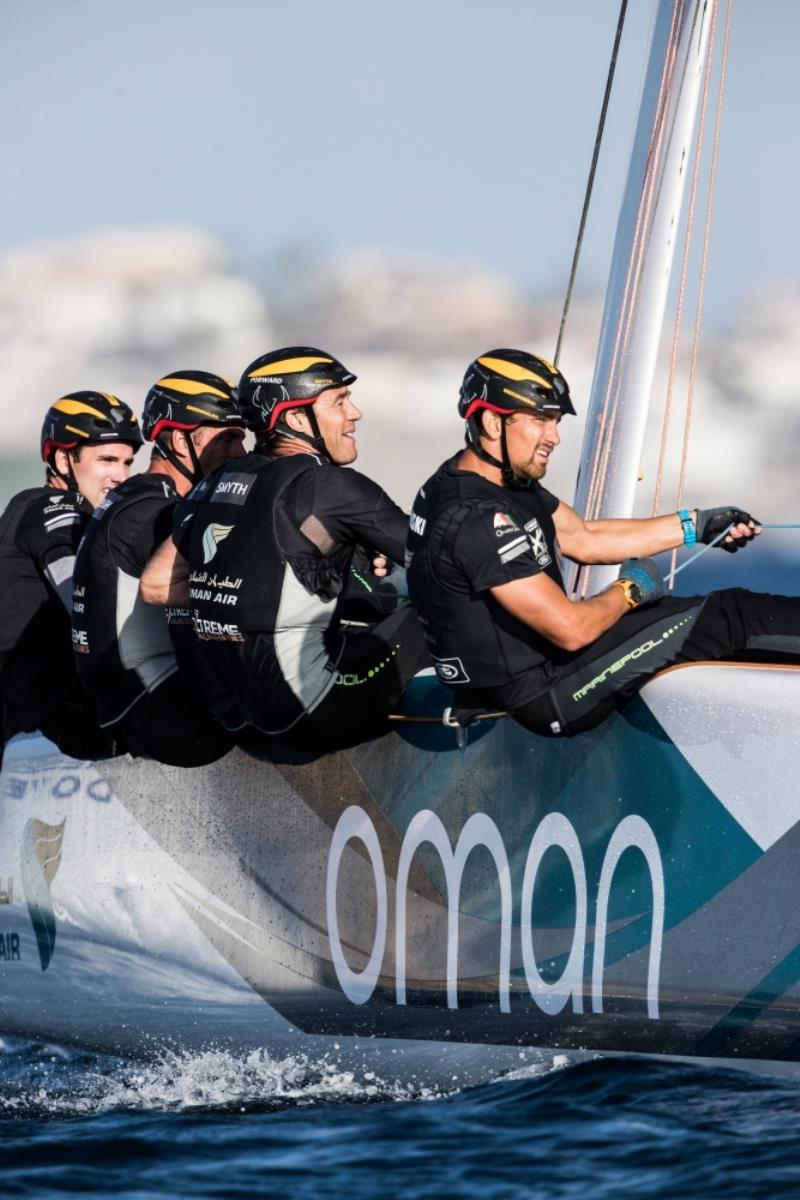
[[591, 683]]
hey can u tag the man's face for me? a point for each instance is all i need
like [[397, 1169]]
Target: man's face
[[531, 439], [215, 447], [99, 469], [337, 415]]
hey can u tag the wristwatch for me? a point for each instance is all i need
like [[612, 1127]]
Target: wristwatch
[[633, 593]]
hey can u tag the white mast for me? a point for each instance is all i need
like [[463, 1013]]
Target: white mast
[[644, 248]]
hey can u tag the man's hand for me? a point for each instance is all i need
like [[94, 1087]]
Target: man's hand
[[380, 565], [644, 574], [712, 521]]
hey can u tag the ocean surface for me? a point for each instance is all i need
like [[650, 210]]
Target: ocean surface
[[213, 1125]]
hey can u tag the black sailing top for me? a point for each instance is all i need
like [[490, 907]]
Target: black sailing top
[[466, 536]]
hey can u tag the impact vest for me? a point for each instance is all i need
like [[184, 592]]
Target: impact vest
[[475, 643], [122, 645], [39, 534], [259, 619]]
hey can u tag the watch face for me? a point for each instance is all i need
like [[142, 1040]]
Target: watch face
[[635, 592]]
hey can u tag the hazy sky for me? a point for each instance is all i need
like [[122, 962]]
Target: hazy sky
[[459, 129]]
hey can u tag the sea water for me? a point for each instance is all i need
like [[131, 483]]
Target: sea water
[[219, 1125]]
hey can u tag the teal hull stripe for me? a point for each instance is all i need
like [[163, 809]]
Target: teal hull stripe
[[750, 1007]]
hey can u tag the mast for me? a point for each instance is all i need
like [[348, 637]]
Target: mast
[[644, 248]]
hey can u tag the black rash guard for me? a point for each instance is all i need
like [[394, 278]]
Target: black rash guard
[[39, 535]]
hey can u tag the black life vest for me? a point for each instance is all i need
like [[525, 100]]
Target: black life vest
[[122, 646], [261, 629]]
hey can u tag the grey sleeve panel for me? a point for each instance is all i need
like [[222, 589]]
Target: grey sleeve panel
[[59, 576]]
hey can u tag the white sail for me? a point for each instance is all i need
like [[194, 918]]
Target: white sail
[[644, 249]]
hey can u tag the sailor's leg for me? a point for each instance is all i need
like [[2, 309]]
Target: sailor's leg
[[735, 620], [169, 726], [595, 681], [371, 673], [72, 724]]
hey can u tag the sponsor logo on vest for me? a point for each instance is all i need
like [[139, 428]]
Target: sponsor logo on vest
[[554, 830], [233, 488], [213, 535], [216, 631], [80, 639], [417, 524]]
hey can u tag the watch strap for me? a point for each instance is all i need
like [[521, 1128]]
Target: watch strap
[[689, 527]]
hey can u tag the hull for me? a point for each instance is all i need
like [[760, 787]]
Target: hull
[[438, 911]]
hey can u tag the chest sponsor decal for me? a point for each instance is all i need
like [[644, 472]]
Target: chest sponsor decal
[[213, 535]]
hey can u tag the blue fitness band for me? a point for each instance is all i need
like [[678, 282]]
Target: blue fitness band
[[689, 527]]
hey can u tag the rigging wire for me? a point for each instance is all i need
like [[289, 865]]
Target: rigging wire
[[687, 245], [590, 183], [650, 189], [704, 261]]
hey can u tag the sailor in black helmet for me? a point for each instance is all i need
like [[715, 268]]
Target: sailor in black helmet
[[484, 544], [267, 546], [123, 647], [87, 444]]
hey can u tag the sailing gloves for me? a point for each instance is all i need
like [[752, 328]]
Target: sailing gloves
[[641, 581], [711, 522]]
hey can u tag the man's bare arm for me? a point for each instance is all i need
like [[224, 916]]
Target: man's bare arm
[[612, 541], [165, 579], [540, 603]]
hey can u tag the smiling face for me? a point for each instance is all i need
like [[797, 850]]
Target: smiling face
[[336, 416], [97, 469], [531, 439]]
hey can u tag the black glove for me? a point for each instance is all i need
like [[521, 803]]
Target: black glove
[[644, 574], [712, 521]]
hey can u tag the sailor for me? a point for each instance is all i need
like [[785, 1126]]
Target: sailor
[[267, 545], [87, 444], [123, 647], [484, 574]]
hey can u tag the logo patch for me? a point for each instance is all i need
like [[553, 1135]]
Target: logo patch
[[503, 524], [450, 670], [538, 542], [212, 537], [233, 487]]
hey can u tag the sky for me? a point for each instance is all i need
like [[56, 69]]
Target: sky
[[458, 131]]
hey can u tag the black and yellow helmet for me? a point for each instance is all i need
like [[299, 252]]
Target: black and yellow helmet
[[507, 381], [284, 379], [188, 399], [86, 418]]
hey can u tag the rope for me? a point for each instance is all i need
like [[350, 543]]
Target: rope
[[762, 525], [604, 430], [687, 242], [590, 183], [706, 240]]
